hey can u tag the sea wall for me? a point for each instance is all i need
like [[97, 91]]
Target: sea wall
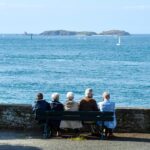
[[18, 116]]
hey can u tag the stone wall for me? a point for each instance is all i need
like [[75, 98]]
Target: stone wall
[[18, 116], [133, 120]]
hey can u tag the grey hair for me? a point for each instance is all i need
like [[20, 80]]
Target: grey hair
[[70, 95], [106, 93], [55, 96], [87, 91]]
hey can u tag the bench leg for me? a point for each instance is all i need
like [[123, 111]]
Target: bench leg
[[101, 132], [103, 135], [106, 133], [92, 126]]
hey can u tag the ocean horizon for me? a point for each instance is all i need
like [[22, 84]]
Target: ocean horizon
[[60, 64]]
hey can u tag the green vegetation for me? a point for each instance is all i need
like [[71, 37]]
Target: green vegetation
[[115, 32], [82, 33]]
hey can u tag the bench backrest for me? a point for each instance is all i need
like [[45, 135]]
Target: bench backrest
[[75, 115]]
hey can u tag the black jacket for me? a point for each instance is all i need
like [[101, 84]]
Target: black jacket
[[57, 106]]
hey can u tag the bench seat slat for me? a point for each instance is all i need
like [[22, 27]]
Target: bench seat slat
[[78, 118], [76, 115], [88, 113]]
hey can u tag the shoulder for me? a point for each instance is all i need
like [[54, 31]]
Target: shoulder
[[52, 104], [60, 103], [100, 104], [44, 101], [93, 100], [35, 102], [82, 100], [112, 103]]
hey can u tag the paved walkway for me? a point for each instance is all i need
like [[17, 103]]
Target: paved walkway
[[32, 141]]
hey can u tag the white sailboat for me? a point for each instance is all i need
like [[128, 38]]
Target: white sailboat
[[119, 41]]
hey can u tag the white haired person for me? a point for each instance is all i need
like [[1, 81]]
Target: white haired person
[[71, 105], [89, 104], [107, 105], [56, 106]]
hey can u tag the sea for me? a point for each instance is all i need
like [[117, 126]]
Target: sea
[[60, 64]]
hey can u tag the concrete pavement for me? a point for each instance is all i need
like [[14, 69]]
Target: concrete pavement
[[12, 140]]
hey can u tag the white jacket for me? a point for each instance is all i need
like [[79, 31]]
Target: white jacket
[[72, 106]]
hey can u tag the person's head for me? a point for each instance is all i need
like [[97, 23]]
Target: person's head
[[55, 97], [89, 93], [70, 96], [39, 96], [106, 95]]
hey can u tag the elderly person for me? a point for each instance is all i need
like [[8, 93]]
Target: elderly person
[[107, 105], [89, 104], [56, 106], [71, 105], [42, 105]]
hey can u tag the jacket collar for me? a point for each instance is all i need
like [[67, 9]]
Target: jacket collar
[[106, 100]]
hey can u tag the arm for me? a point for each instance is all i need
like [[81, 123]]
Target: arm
[[80, 106], [48, 106], [62, 107], [101, 107], [34, 107], [95, 106]]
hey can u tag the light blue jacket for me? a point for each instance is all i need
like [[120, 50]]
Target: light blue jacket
[[106, 105]]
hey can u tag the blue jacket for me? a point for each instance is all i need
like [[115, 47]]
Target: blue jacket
[[106, 105]]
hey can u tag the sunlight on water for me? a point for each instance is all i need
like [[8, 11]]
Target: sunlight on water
[[61, 64]]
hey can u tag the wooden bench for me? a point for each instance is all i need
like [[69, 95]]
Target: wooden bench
[[77, 116]]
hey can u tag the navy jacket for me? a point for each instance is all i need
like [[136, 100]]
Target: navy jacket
[[41, 105], [57, 106]]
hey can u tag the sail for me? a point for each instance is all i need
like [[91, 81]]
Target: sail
[[119, 41]]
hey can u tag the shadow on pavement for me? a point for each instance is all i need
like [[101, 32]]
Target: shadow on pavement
[[17, 147], [5, 135], [130, 139]]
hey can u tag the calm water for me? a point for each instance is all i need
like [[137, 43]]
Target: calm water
[[61, 64]]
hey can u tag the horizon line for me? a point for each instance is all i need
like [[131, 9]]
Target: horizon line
[[26, 32], [13, 33]]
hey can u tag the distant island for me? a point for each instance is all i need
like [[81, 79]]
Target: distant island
[[65, 32], [83, 33], [115, 32]]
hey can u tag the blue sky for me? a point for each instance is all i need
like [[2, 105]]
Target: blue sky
[[17, 16]]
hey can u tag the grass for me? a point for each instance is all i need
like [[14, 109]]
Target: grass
[[80, 138]]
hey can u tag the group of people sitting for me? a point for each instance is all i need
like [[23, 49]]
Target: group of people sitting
[[85, 104]]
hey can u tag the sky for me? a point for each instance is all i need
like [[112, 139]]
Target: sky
[[36, 16]]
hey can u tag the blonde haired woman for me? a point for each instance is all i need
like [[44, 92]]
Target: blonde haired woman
[[71, 105]]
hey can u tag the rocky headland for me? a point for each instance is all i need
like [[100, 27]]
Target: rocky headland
[[83, 33]]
